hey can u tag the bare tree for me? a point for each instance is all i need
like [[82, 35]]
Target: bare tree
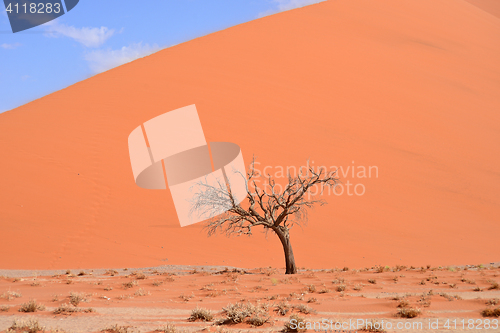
[[273, 209]]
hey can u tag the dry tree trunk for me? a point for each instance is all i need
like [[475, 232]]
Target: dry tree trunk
[[284, 237]]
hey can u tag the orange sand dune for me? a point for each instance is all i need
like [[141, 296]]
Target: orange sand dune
[[411, 87], [490, 6]]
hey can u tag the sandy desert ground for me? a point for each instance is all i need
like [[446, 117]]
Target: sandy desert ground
[[148, 299]]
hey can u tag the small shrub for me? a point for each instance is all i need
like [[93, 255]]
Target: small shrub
[[139, 275], [111, 272], [237, 313], [76, 298], [493, 301], [294, 324], [311, 288], [403, 304], [494, 286], [186, 298], [477, 289], [31, 306], [142, 292], [312, 300], [169, 328], [65, 309], [157, 283], [201, 314], [491, 312], [4, 308], [29, 326], [324, 290], [258, 320], [130, 284], [282, 308], [341, 288], [304, 309], [372, 281], [408, 312]]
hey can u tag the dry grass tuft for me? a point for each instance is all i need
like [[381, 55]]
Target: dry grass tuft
[[117, 329], [258, 320], [372, 281], [493, 301], [373, 326], [403, 304], [29, 326], [237, 313], [130, 284], [142, 292], [8, 295], [282, 308], [341, 288], [31, 306], [111, 272], [491, 312], [139, 275], [494, 286], [4, 308], [76, 298], [408, 312], [358, 287], [303, 309], [293, 325], [201, 314], [169, 328], [65, 309]]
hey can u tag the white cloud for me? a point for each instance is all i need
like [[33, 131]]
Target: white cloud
[[102, 60], [10, 46], [90, 37], [283, 5]]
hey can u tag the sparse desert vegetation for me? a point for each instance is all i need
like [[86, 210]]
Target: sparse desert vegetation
[[248, 299], [408, 312], [201, 314], [25, 326], [491, 312], [31, 306]]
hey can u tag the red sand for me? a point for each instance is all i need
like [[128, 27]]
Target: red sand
[[157, 297], [410, 87]]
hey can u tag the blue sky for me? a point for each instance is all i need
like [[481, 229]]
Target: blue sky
[[98, 35]]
